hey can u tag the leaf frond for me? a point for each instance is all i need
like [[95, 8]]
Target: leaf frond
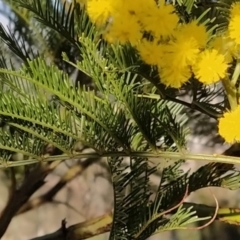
[[19, 47]]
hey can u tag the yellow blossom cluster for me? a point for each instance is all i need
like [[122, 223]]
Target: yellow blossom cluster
[[228, 44], [234, 23], [126, 21], [178, 50]]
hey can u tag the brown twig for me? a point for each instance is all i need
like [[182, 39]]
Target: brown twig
[[82, 230], [48, 196], [214, 217], [67, 205], [211, 220], [160, 214], [18, 198], [178, 205], [103, 224], [70, 175]]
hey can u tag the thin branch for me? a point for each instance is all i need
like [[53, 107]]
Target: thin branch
[[67, 205], [211, 220], [48, 196], [82, 230], [156, 157], [103, 224], [29, 186], [160, 214], [192, 106]]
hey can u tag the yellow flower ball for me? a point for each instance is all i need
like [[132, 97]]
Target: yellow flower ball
[[182, 52], [235, 9], [172, 77], [210, 67], [194, 30], [151, 52], [234, 28], [226, 46], [118, 32], [161, 20], [228, 126], [100, 11]]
